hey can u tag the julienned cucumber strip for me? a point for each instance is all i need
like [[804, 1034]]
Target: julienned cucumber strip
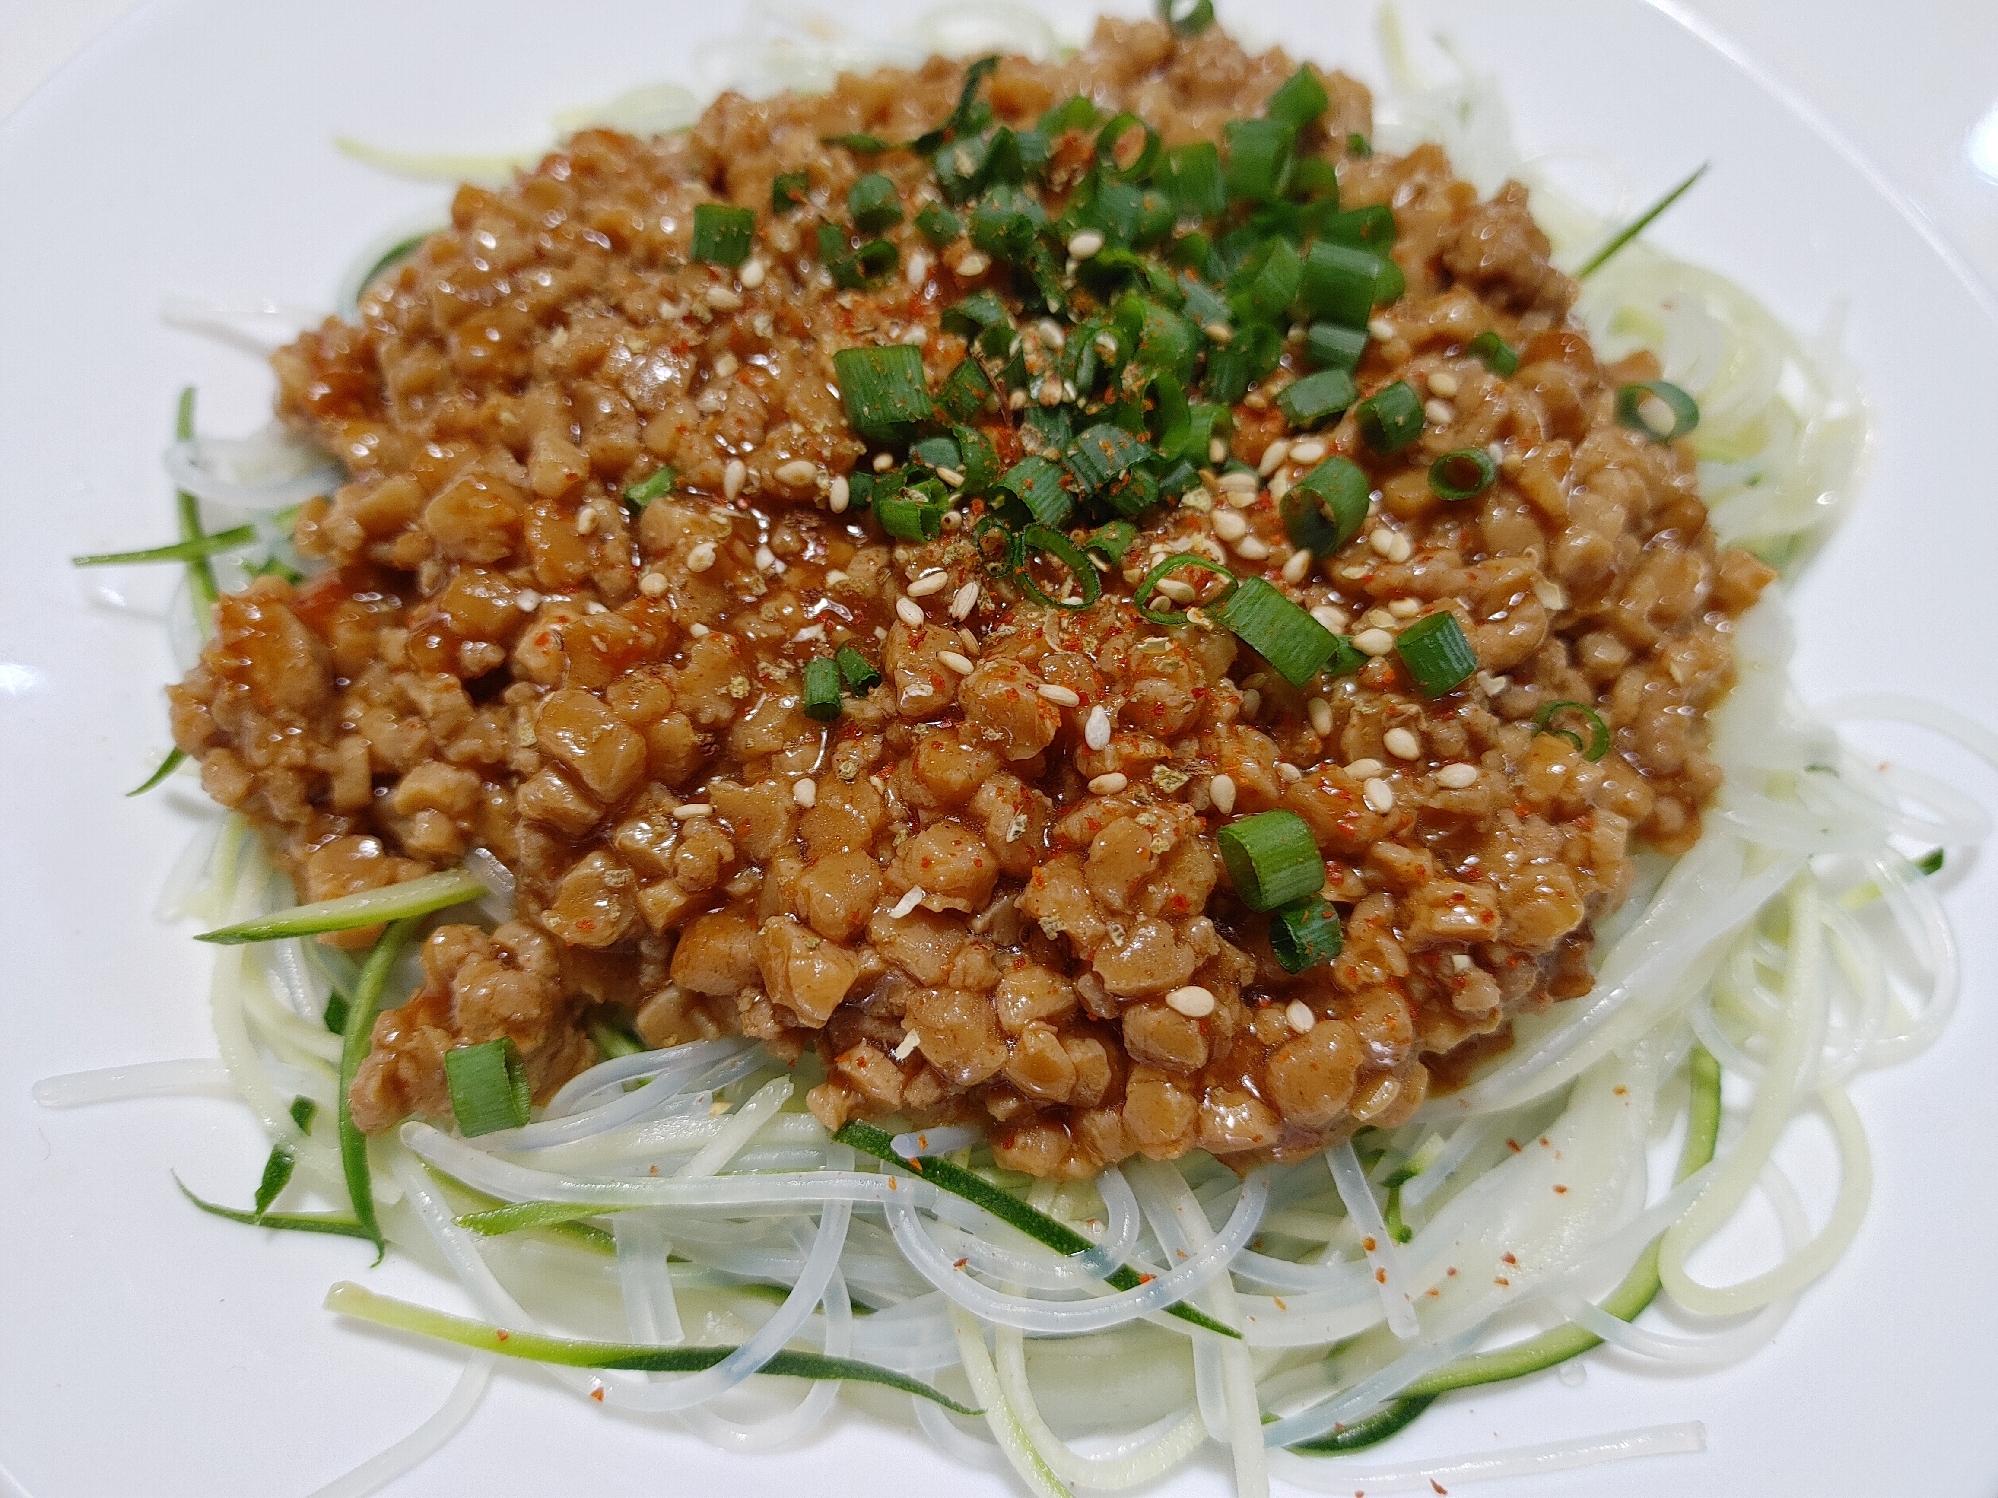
[[515, 1217], [393, 902], [1042, 1228], [295, 1222], [1625, 1302], [349, 1299], [355, 1042]]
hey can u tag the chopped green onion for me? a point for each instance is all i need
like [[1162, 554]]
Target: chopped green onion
[[1305, 933], [303, 1111], [1398, 1230], [938, 224], [1327, 508], [391, 257], [277, 1175], [722, 233], [193, 550], [860, 674], [1107, 140], [909, 519], [822, 688], [1369, 228], [1599, 734], [1187, 19], [1638, 225], [658, 486], [1113, 540], [1316, 181], [348, 1299], [1359, 145], [1141, 599], [1104, 453], [1492, 351], [859, 142], [1272, 859], [1331, 346], [1191, 177], [977, 460], [873, 203], [1261, 154], [883, 389], [1299, 100], [1630, 409], [488, 1084], [335, 1016], [1048, 1231], [1345, 283], [1391, 417], [172, 762], [356, 1040], [391, 902], [1310, 400], [787, 191], [965, 390], [295, 1222], [516, 1217], [1436, 653], [1039, 537], [1006, 224], [1282, 633], [1931, 862], [1463, 474], [1037, 482], [1346, 660], [1266, 282], [974, 314]]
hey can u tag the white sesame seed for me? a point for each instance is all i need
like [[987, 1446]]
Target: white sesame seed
[[702, 557], [527, 600], [1310, 450], [1373, 642], [809, 632], [1193, 1001], [1321, 716], [1378, 619], [1553, 597], [917, 270], [1084, 243], [1460, 962], [732, 478], [970, 641], [1096, 730], [1404, 608], [1059, 695], [797, 473], [952, 477], [1273, 457], [1177, 589], [1252, 703], [1229, 526], [1296, 565], [725, 298], [907, 903], [907, 1048], [1440, 412], [909, 613], [688, 811], [586, 520], [1051, 333], [1381, 328], [1457, 777], [837, 495], [1334, 619], [1253, 548], [1299, 1016], [928, 583], [1400, 548], [835, 577], [1217, 449], [766, 559], [1381, 539], [752, 273], [1443, 383], [1238, 483], [1221, 791], [1109, 784], [699, 630], [652, 584], [1288, 772], [1017, 400], [883, 462], [1220, 332], [1366, 769], [1379, 795], [1280, 482], [977, 263], [961, 664], [805, 792], [965, 601], [1402, 743]]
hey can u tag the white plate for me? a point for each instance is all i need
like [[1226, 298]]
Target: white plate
[[146, 1349]]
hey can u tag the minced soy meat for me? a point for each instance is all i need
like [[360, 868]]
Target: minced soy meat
[[989, 890]]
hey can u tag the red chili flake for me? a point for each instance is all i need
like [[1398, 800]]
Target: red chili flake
[[1368, 1244], [501, 1334], [598, 1393], [1439, 1487], [1620, 1090], [1451, 1272], [960, 1263], [1503, 1284], [1277, 1300], [1380, 1276], [1144, 1279], [1543, 1141], [1509, 1258], [1513, 1145], [1560, 1190]]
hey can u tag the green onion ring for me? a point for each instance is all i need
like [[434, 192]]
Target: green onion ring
[[1038, 537], [1016, 551], [1106, 149], [1447, 476], [1599, 734], [1171, 564], [1630, 409]]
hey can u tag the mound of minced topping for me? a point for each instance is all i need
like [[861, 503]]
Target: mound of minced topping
[[989, 886]]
